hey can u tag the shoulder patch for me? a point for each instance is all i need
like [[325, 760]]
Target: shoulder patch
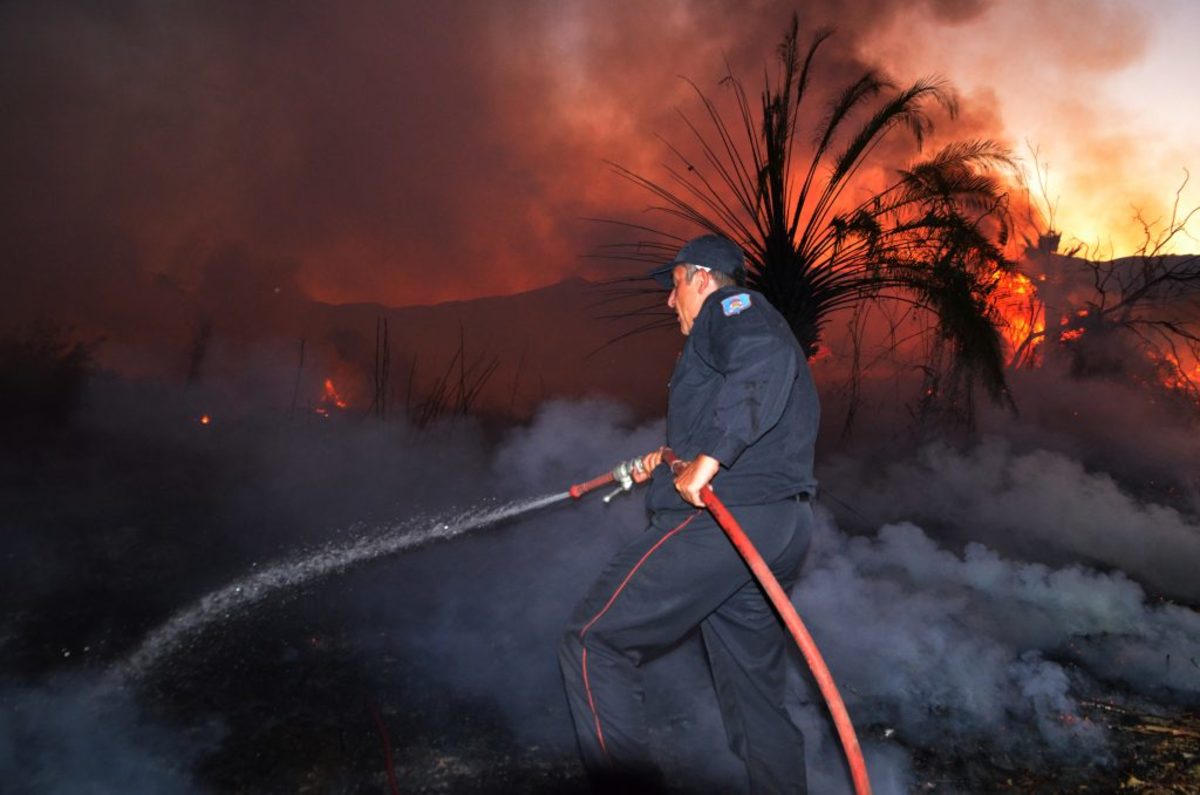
[[736, 304]]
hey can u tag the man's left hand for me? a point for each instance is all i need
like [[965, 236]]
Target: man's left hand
[[694, 477], [648, 462]]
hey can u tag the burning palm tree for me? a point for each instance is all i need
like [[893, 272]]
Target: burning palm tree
[[933, 238]]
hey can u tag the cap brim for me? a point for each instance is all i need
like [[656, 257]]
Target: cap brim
[[663, 275]]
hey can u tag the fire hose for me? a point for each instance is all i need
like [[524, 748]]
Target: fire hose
[[623, 474]]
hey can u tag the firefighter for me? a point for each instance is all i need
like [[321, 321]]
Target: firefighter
[[743, 411]]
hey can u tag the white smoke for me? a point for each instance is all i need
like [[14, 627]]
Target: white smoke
[[70, 735], [950, 651], [955, 648], [1038, 505]]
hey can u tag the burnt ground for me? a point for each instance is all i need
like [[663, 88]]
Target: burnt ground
[[106, 535], [301, 709], [303, 721], [1155, 749]]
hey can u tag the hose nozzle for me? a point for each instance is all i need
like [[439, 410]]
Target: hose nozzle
[[622, 474]]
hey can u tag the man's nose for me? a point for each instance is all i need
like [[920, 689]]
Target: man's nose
[[671, 300]]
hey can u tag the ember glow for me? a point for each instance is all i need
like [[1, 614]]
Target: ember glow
[[332, 396], [1180, 371], [331, 401]]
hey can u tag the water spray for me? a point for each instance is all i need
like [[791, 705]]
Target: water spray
[[336, 558], [332, 559], [622, 474]]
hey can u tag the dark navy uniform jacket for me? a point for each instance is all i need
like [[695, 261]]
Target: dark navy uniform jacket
[[742, 393]]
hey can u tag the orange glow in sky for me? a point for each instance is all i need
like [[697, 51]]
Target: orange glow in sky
[[1104, 90], [412, 154]]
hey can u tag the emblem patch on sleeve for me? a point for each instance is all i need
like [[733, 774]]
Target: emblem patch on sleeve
[[735, 304]]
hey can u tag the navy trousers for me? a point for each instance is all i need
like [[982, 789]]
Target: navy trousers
[[684, 573]]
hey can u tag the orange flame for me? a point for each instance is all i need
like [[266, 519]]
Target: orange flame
[[332, 397], [205, 419], [1177, 374], [1022, 314], [1022, 323], [330, 400]]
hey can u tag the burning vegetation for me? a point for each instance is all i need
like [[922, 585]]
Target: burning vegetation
[[1022, 316], [1135, 316], [331, 401]]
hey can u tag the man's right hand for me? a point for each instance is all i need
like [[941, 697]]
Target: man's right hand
[[649, 462]]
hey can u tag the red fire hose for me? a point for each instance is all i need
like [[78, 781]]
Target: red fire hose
[[812, 655]]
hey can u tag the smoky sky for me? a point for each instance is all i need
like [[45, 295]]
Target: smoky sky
[[405, 153], [411, 153]]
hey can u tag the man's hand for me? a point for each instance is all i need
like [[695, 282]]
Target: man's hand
[[649, 462], [694, 477]]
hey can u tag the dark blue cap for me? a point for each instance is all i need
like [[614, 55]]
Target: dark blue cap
[[710, 251]]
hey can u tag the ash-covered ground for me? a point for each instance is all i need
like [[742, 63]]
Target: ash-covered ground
[[997, 614]]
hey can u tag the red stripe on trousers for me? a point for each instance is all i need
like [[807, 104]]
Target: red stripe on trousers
[[583, 632]]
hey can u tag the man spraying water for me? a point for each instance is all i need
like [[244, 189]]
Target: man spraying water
[[743, 410]]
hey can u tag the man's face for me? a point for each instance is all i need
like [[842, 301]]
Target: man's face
[[686, 299]]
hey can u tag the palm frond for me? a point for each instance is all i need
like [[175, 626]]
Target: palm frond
[[933, 237]]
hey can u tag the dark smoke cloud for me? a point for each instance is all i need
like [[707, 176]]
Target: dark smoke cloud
[[401, 152], [958, 11]]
